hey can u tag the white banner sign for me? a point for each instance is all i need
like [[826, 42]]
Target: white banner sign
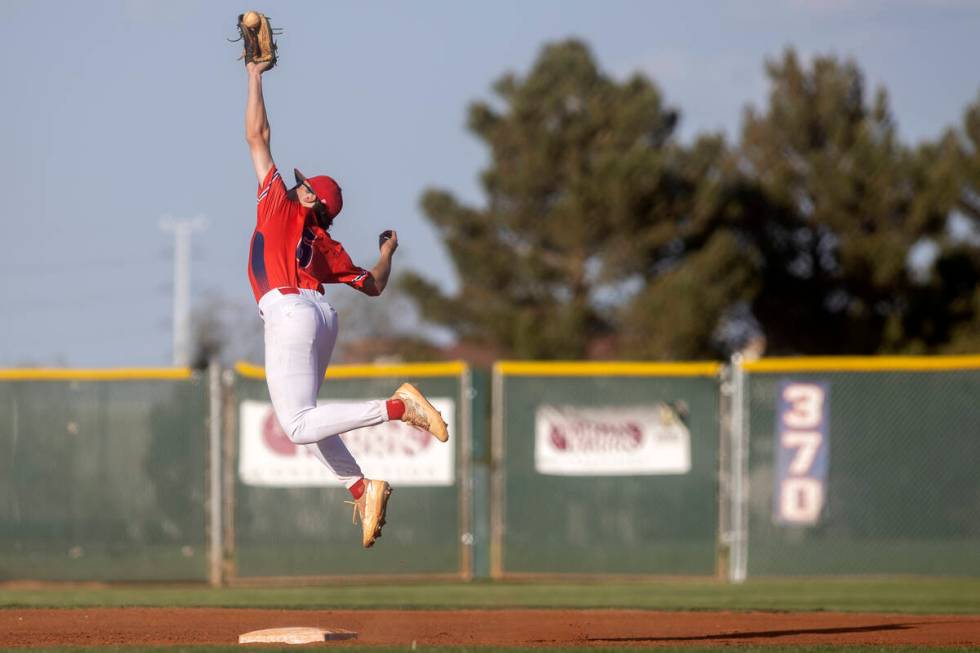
[[614, 441], [393, 451]]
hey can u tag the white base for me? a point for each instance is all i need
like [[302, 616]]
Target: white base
[[295, 635]]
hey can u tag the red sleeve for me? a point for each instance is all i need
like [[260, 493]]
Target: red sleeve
[[271, 195], [343, 270]]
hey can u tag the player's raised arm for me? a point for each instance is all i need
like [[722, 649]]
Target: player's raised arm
[[375, 283], [257, 132]]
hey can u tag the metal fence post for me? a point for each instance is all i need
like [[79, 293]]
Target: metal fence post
[[739, 490], [497, 492], [724, 549], [215, 403], [229, 444], [466, 394]]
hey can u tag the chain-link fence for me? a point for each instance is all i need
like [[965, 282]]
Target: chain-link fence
[[605, 468], [103, 475], [287, 516], [863, 467]]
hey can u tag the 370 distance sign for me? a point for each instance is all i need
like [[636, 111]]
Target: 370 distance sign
[[802, 452]]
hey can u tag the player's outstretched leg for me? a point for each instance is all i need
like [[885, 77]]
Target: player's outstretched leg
[[371, 506], [420, 413]]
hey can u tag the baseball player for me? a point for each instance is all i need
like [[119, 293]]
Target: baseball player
[[291, 256]]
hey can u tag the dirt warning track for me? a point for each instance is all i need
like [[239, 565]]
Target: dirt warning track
[[619, 628]]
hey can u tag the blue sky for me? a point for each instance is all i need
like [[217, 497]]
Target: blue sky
[[117, 113]]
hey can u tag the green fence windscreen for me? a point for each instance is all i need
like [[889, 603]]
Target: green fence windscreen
[[103, 480], [569, 520], [849, 472], [898, 490], [308, 531]]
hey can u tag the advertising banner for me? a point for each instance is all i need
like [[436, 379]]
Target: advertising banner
[[613, 441], [393, 451]]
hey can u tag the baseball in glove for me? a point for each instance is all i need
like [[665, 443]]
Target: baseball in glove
[[257, 37]]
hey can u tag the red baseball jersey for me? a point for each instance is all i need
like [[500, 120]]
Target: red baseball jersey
[[290, 250]]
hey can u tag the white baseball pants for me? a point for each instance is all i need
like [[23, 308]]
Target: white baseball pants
[[300, 334]]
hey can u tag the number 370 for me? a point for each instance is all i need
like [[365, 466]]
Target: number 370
[[800, 494]]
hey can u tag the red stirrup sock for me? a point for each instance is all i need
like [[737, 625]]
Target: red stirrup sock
[[357, 489], [396, 408]]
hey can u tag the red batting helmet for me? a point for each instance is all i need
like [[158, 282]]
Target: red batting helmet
[[325, 189]]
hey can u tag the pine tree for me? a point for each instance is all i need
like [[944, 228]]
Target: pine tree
[[831, 160], [579, 163]]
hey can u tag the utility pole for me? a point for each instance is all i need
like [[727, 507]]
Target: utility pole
[[182, 229]]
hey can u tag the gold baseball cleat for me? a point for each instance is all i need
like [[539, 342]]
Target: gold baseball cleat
[[420, 413], [372, 508]]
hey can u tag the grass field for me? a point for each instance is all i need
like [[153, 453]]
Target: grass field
[[900, 595], [892, 595]]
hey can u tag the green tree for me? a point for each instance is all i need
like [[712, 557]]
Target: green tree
[[943, 309], [965, 332], [580, 163], [692, 263], [840, 276], [838, 269]]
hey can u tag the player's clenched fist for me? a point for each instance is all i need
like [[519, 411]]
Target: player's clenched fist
[[388, 241]]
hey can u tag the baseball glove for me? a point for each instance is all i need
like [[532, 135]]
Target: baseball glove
[[258, 38]]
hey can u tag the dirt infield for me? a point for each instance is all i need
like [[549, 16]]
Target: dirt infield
[[168, 626]]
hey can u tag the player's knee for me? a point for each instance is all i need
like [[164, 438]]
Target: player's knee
[[296, 428]]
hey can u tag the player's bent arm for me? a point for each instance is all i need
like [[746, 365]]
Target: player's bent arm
[[257, 130], [376, 281]]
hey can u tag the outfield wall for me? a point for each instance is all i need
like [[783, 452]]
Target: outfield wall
[[779, 467], [103, 475]]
